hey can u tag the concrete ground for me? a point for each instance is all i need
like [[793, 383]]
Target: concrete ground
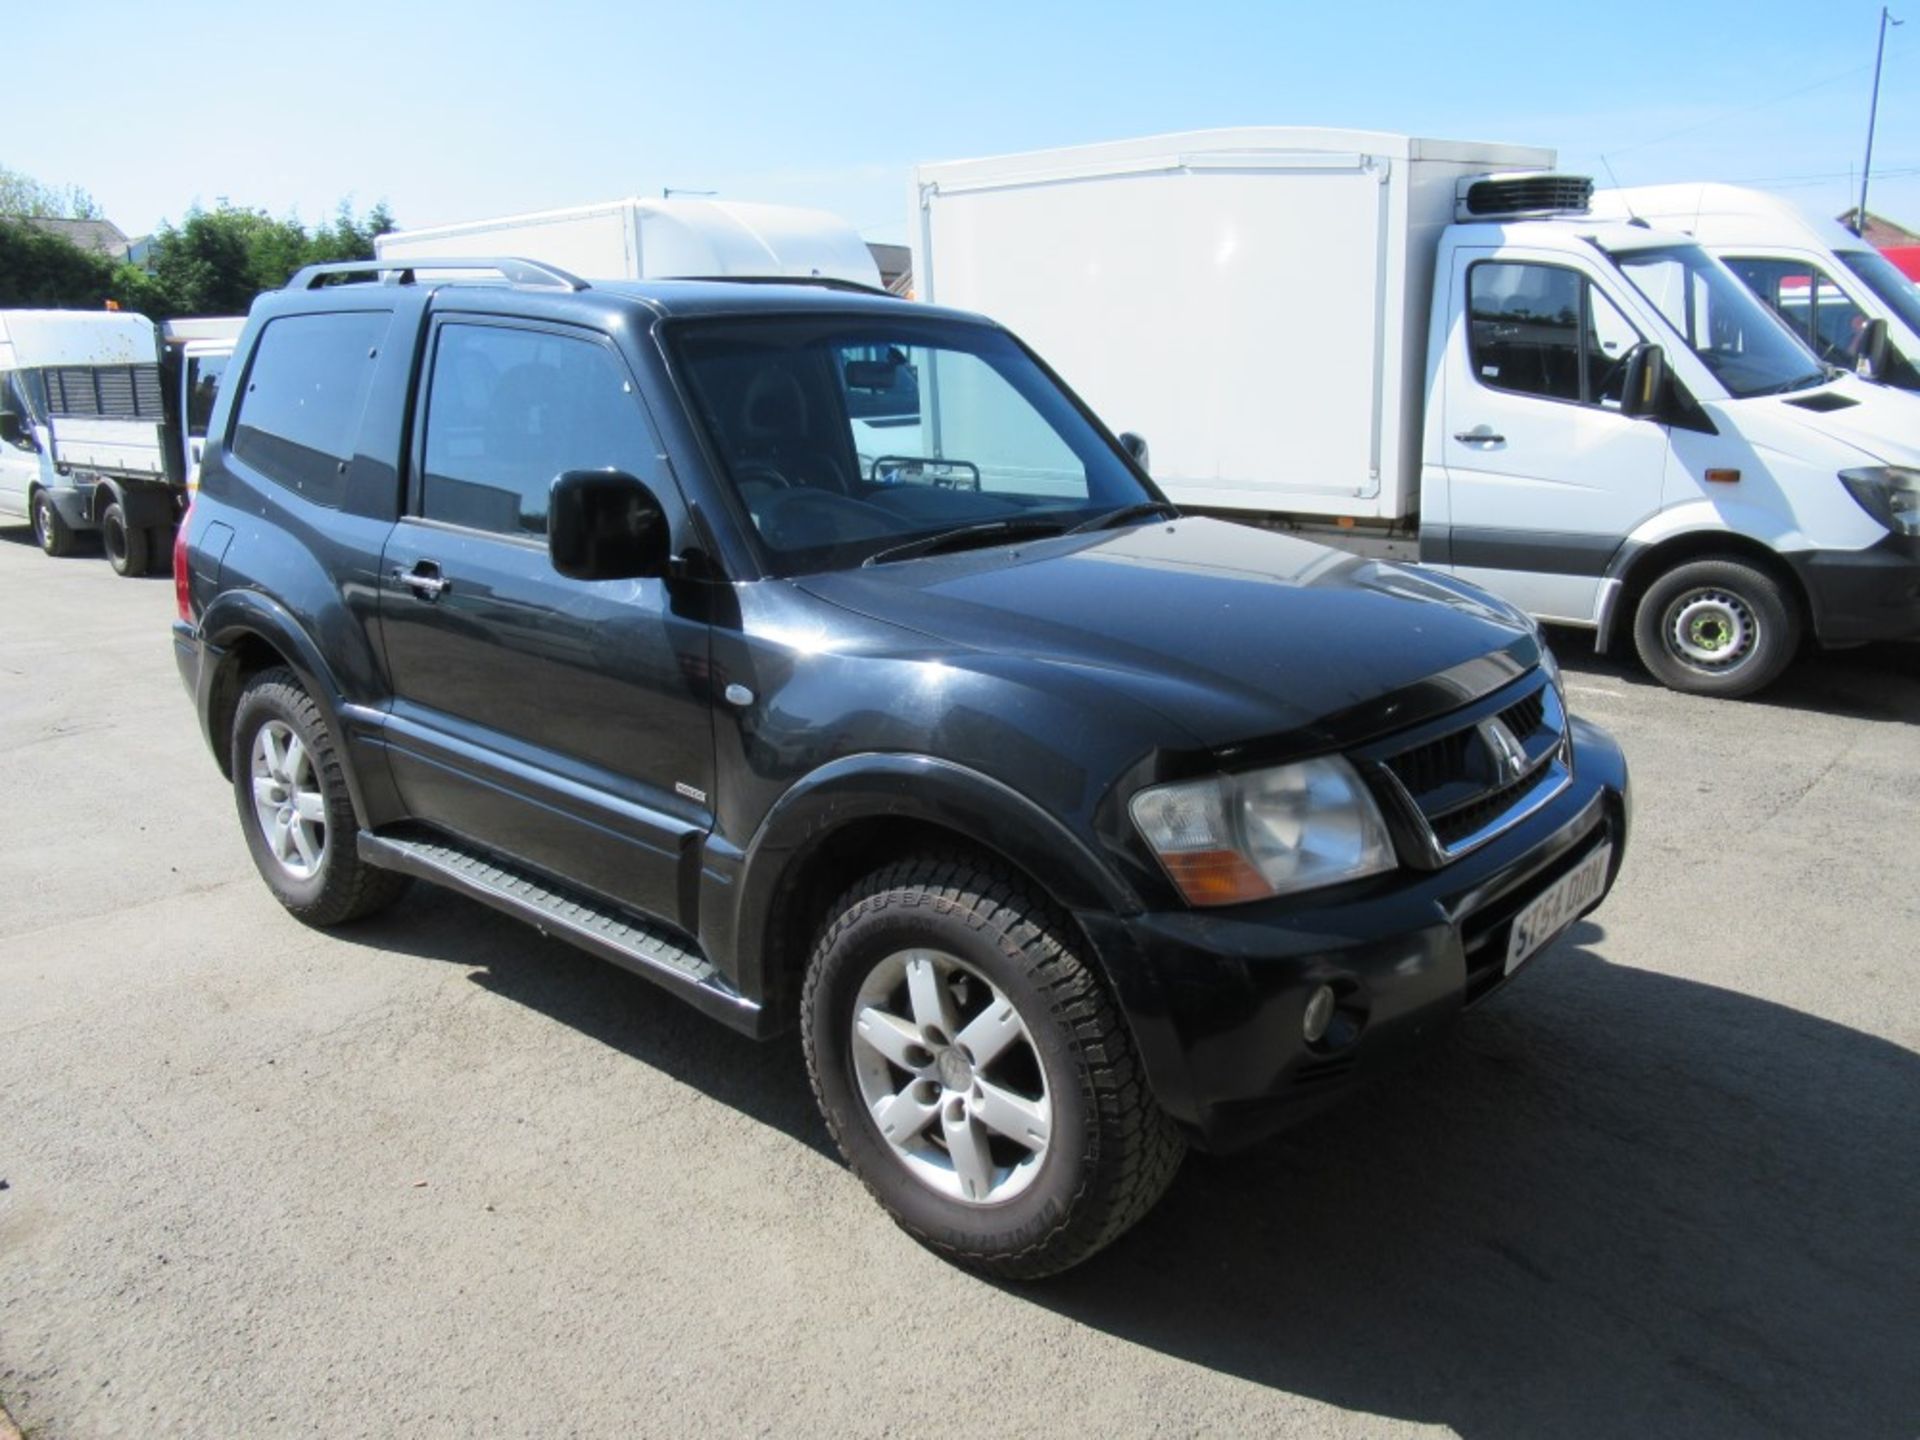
[[435, 1175]]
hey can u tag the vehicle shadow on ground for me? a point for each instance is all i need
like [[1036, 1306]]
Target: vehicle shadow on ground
[[766, 1081], [1615, 1203], [86, 547], [1874, 682]]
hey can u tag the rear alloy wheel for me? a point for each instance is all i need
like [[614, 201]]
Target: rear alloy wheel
[[975, 1073], [126, 545], [50, 531], [1716, 627], [295, 808]]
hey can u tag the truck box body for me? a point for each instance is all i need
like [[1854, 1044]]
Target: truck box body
[[638, 239], [1273, 365]]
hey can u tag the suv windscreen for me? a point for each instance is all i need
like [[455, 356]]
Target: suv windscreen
[[1883, 277], [1747, 348], [846, 436]]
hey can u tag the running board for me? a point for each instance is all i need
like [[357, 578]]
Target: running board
[[648, 950]]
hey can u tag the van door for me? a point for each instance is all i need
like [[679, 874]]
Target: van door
[[1545, 477], [199, 387]]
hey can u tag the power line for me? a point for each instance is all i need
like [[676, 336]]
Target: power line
[[1742, 110]]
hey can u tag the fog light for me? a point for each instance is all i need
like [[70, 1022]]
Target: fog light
[[1319, 1014]]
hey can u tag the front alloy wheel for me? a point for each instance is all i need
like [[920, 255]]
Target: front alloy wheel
[[975, 1072], [951, 1076]]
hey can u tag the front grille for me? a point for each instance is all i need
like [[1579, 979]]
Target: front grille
[[1470, 782]]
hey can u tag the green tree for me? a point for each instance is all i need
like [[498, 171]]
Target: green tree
[[39, 269], [24, 195], [216, 261]]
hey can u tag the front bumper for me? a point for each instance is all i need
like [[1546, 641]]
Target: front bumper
[[1216, 998], [1858, 596]]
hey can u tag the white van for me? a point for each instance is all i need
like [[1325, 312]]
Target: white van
[[1429, 349], [1827, 283]]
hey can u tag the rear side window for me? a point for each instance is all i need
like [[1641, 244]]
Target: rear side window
[[306, 388], [1545, 330], [511, 409]]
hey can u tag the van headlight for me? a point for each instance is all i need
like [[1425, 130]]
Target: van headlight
[[1227, 839], [1889, 493]]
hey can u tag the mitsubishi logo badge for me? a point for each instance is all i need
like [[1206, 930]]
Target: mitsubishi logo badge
[[1509, 758]]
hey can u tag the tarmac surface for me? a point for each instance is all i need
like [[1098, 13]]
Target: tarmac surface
[[436, 1175]]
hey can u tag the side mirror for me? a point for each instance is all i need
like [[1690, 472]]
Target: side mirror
[[605, 525], [1870, 350], [11, 427], [1643, 394], [1134, 446]]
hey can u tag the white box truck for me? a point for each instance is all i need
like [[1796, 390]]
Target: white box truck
[[1827, 283], [637, 239], [1429, 348], [98, 416]]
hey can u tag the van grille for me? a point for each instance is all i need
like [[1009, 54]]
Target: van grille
[[1469, 784]]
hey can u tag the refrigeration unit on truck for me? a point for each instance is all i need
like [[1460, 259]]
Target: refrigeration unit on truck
[[637, 239], [1827, 283], [1428, 348], [95, 425]]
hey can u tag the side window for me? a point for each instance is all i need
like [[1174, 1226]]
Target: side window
[[306, 388], [508, 410], [1544, 330], [204, 373], [1815, 309]]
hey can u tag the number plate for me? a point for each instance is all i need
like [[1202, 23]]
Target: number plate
[[1563, 903]]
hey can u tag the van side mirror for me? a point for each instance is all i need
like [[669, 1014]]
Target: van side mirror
[[606, 525], [1643, 394], [11, 428], [1134, 446], [1870, 349]]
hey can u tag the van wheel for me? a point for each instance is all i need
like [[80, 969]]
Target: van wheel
[[50, 531], [295, 808], [126, 545], [1716, 627], [159, 543], [974, 1072]]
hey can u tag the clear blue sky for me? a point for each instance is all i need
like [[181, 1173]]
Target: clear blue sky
[[457, 109]]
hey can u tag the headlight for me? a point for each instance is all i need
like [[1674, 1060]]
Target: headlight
[[1889, 493], [1232, 838]]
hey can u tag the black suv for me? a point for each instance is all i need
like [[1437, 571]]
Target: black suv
[[1069, 829]]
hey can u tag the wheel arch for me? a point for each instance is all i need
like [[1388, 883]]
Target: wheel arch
[[1639, 566], [250, 633], [851, 816]]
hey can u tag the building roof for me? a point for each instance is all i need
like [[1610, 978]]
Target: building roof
[[102, 237], [1880, 232]]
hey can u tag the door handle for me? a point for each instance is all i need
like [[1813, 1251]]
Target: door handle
[[424, 580], [1480, 435]]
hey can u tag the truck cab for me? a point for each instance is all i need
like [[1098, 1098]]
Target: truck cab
[[1825, 282]]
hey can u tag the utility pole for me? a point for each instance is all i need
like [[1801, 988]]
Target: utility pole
[[1873, 114]]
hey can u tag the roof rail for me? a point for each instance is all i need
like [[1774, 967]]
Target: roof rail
[[401, 272]]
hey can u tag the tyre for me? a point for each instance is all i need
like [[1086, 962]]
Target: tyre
[[50, 531], [126, 545], [295, 809], [974, 1072], [1717, 627]]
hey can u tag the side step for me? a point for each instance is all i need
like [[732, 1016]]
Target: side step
[[648, 950]]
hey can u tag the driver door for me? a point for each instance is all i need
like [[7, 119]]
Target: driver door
[[1545, 476]]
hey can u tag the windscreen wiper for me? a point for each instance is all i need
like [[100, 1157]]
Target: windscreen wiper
[[966, 537], [1126, 515]]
